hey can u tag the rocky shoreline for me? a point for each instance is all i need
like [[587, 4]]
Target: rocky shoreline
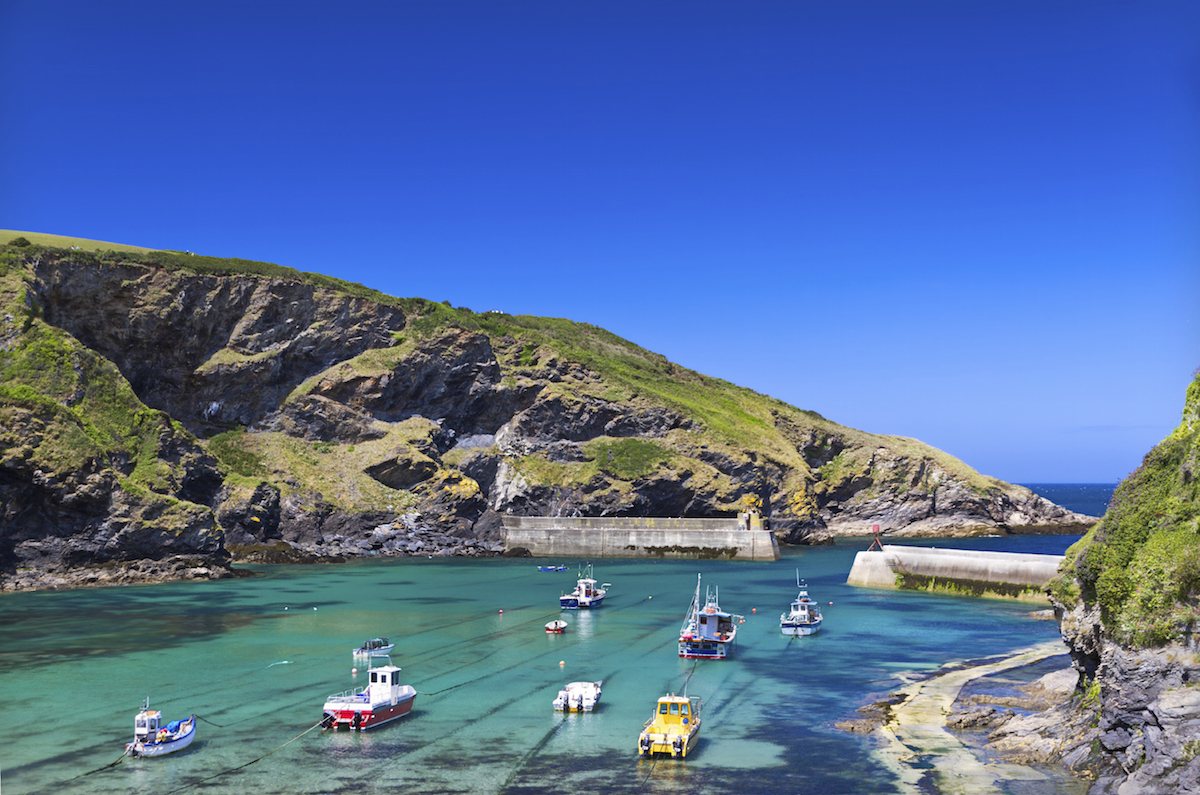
[[1141, 736]]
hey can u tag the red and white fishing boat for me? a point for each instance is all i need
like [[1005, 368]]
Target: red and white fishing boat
[[382, 700]]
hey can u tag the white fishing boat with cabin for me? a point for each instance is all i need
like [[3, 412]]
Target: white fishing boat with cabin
[[152, 737], [804, 618], [587, 593], [708, 631]]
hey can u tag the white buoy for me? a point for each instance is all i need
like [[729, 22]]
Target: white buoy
[[354, 672], [314, 609], [501, 612], [561, 663]]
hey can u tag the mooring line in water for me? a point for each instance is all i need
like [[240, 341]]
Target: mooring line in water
[[210, 723], [97, 770], [539, 745], [252, 761], [653, 762]]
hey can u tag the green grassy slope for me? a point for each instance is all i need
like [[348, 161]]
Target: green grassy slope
[[1141, 564], [62, 241], [810, 453]]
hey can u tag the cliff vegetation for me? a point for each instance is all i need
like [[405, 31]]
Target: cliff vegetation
[[275, 414]]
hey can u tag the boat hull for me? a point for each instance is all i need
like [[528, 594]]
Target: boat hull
[[576, 603], [698, 647], [672, 744], [795, 628], [360, 717], [138, 748]]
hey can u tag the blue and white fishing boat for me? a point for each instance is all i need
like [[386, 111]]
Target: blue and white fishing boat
[[708, 631], [805, 617], [587, 593], [152, 737]]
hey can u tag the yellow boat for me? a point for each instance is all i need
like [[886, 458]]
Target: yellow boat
[[674, 728]]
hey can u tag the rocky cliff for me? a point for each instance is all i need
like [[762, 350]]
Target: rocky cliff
[[162, 412], [1128, 604]]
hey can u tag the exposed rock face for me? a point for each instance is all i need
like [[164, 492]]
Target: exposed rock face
[[376, 428], [1131, 723], [1126, 602]]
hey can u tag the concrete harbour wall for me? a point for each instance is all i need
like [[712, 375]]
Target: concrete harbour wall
[[642, 537], [995, 574]]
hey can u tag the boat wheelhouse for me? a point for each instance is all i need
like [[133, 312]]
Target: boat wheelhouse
[[153, 737], [674, 728], [708, 631], [381, 700], [587, 593]]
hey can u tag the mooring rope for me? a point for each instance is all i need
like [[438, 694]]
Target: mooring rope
[[247, 764], [218, 725], [106, 767]]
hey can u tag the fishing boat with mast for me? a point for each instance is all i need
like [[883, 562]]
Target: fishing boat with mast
[[587, 593], [708, 631], [804, 618]]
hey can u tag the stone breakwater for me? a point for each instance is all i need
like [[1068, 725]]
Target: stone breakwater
[[977, 573], [550, 536]]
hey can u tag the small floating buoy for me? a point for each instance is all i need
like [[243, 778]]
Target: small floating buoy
[[754, 610], [354, 672], [561, 663], [831, 603], [314, 609], [501, 612], [649, 597], [285, 608]]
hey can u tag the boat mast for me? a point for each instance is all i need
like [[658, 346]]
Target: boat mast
[[693, 614]]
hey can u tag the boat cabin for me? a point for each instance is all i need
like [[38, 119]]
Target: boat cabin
[[801, 609], [673, 711], [712, 624], [384, 687], [146, 725]]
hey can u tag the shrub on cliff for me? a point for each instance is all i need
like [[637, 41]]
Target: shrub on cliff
[[1141, 564]]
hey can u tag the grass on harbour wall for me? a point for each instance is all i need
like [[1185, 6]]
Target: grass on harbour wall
[[1141, 563]]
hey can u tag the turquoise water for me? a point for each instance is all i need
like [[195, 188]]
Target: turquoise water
[[254, 656]]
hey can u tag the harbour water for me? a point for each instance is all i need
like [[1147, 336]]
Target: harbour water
[[259, 655]]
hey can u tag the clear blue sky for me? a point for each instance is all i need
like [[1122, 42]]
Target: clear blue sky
[[972, 223]]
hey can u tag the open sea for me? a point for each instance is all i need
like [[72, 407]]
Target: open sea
[[1086, 498], [255, 658]]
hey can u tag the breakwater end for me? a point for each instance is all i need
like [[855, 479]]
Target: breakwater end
[[640, 537], [1010, 575]]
